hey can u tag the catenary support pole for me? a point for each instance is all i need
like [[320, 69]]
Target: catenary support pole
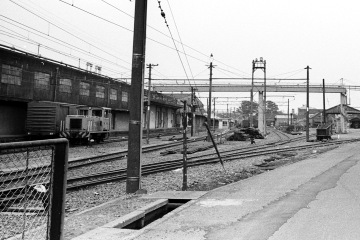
[[209, 102], [307, 103], [288, 113], [149, 66], [252, 95], [324, 110], [192, 111], [133, 180], [184, 123]]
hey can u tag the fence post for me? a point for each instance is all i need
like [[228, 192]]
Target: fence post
[[57, 210]]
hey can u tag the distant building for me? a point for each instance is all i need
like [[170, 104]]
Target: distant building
[[281, 120], [302, 111]]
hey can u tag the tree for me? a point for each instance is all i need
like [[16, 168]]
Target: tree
[[245, 108], [272, 109]]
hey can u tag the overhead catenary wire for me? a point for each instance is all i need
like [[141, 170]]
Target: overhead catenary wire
[[195, 50], [58, 41], [192, 75], [61, 28], [177, 51]]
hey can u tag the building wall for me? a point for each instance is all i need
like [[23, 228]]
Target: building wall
[[12, 117], [170, 118]]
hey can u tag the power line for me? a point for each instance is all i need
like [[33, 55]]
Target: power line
[[182, 64], [61, 42], [162, 34], [71, 34], [192, 75]]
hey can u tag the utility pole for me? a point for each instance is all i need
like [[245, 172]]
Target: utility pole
[[209, 102], [193, 111], [307, 103], [184, 123], [149, 66], [133, 180], [252, 95], [288, 113], [324, 110], [214, 117]]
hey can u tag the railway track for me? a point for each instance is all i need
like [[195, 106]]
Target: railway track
[[17, 179], [120, 174]]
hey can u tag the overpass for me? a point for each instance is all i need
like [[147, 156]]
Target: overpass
[[247, 88]]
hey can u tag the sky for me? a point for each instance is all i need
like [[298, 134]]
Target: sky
[[289, 35]]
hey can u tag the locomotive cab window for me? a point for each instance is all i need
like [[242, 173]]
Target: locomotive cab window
[[97, 113], [83, 112], [106, 113]]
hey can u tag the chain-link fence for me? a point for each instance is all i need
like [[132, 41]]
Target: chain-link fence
[[26, 188]]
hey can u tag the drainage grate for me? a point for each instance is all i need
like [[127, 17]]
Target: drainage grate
[[155, 214]]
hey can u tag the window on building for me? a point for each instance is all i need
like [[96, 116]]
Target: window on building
[[113, 94], [84, 89], [42, 80], [11, 74], [65, 85], [225, 123], [100, 92], [124, 97]]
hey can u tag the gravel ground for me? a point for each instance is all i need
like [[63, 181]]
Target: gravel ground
[[201, 178]]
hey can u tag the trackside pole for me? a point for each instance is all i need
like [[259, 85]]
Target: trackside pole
[[133, 180], [212, 139], [184, 123]]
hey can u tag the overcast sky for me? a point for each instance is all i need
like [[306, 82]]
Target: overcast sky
[[289, 35]]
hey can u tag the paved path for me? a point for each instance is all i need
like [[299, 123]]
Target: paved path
[[317, 198]]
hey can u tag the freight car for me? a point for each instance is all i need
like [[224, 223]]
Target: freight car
[[47, 119], [91, 124]]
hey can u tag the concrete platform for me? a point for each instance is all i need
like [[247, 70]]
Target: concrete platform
[[317, 198]]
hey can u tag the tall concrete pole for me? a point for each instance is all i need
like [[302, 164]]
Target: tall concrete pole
[[184, 121], [264, 97], [133, 180], [209, 102], [288, 113], [149, 66], [192, 111], [307, 103], [214, 117], [252, 95], [324, 110]]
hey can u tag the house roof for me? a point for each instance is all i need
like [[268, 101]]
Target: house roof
[[347, 109]]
